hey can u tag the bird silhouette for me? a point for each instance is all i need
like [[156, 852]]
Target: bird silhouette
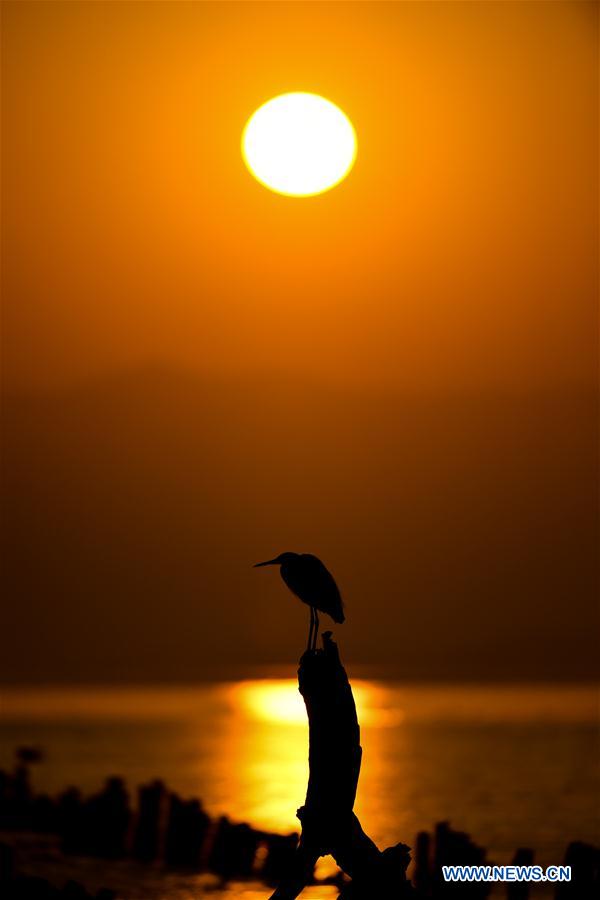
[[308, 579]]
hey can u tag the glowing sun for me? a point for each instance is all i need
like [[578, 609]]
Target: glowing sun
[[299, 144]]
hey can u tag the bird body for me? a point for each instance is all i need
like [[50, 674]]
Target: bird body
[[311, 582], [308, 579]]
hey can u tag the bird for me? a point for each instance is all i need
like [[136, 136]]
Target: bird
[[308, 579]]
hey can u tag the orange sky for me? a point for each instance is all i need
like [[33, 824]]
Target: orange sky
[[460, 251], [398, 375]]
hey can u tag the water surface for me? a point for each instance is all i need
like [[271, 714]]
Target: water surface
[[513, 766]]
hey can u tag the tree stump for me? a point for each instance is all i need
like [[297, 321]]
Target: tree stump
[[329, 825]]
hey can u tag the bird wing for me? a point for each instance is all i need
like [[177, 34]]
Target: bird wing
[[326, 592]]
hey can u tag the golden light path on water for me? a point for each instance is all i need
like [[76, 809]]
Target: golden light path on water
[[242, 747], [278, 760], [271, 742], [280, 701]]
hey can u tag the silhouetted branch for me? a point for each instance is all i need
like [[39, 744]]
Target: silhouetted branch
[[329, 825]]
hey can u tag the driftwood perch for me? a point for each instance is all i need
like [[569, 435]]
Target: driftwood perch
[[329, 825]]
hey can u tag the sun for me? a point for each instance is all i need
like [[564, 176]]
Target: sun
[[299, 144]]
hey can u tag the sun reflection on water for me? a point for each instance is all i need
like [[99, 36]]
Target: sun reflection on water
[[267, 758], [280, 701]]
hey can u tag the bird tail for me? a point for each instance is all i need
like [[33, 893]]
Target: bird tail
[[339, 616]]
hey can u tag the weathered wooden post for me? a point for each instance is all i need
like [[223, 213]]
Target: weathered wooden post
[[329, 825], [519, 890]]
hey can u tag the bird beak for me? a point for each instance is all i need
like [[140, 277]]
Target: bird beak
[[269, 562]]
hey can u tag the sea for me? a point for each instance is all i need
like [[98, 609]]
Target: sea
[[513, 765]]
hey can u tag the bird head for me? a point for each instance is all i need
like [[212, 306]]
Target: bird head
[[279, 560]]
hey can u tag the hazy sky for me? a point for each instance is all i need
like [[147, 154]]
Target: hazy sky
[[398, 375]]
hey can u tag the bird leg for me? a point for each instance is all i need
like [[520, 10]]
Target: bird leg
[[310, 629], [316, 631]]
